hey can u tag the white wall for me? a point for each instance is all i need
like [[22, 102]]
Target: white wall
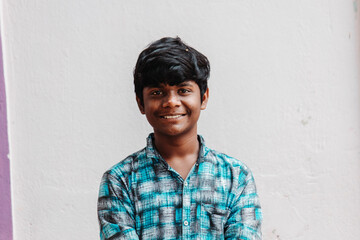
[[284, 99]]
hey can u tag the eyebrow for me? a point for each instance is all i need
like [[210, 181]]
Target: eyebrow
[[185, 84]]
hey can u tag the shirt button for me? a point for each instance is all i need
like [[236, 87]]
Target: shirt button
[[185, 184], [186, 223]]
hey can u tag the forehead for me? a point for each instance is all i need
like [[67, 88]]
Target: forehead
[[188, 83]]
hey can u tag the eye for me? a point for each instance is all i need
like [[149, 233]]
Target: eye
[[184, 90], [156, 92]]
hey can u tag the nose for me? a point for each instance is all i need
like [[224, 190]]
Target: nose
[[171, 100]]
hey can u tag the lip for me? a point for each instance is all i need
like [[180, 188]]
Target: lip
[[172, 116]]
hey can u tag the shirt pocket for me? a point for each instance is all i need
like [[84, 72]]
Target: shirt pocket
[[212, 221]]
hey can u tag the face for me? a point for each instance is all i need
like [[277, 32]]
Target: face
[[173, 110]]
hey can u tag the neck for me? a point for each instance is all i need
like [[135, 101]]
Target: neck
[[177, 146]]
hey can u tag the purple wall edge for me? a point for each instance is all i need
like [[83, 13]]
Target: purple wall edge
[[5, 189]]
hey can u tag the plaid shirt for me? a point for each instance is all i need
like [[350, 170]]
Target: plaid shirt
[[142, 197]]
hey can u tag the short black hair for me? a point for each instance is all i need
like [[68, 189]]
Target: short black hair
[[170, 61]]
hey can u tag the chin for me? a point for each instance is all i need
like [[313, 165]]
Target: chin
[[178, 132], [173, 133]]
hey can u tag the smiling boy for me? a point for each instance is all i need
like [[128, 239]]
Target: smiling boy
[[176, 187]]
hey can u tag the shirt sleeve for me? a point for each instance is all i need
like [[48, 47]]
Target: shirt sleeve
[[245, 218], [115, 210]]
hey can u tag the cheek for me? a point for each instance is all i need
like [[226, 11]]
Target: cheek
[[151, 119], [148, 107], [195, 104], [150, 112]]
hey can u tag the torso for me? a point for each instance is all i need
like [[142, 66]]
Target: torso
[[182, 165]]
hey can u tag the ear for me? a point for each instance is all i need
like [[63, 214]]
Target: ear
[[205, 99], [141, 106]]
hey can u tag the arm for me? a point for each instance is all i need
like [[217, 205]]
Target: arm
[[245, 218], [115, 210]]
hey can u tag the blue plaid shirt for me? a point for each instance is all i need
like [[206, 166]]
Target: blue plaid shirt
[[142, 197]]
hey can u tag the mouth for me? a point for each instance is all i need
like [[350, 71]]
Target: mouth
[[172, 116]]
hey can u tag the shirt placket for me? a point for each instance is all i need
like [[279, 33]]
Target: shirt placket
[[186, 210]]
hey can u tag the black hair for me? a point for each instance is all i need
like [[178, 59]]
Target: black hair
[[170, 61]]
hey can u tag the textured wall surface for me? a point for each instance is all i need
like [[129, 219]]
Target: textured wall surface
[[5, 191], [284, 98]]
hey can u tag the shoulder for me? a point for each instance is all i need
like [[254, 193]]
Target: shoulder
[[225, 161], [127, 166], [228, 166], [118, 179], [220, 159]]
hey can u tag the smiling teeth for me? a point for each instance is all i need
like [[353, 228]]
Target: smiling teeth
[[175, 116]]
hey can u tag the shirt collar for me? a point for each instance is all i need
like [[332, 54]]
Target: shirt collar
[[151, 152]]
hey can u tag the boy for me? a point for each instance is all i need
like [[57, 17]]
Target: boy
[[176, 187]]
